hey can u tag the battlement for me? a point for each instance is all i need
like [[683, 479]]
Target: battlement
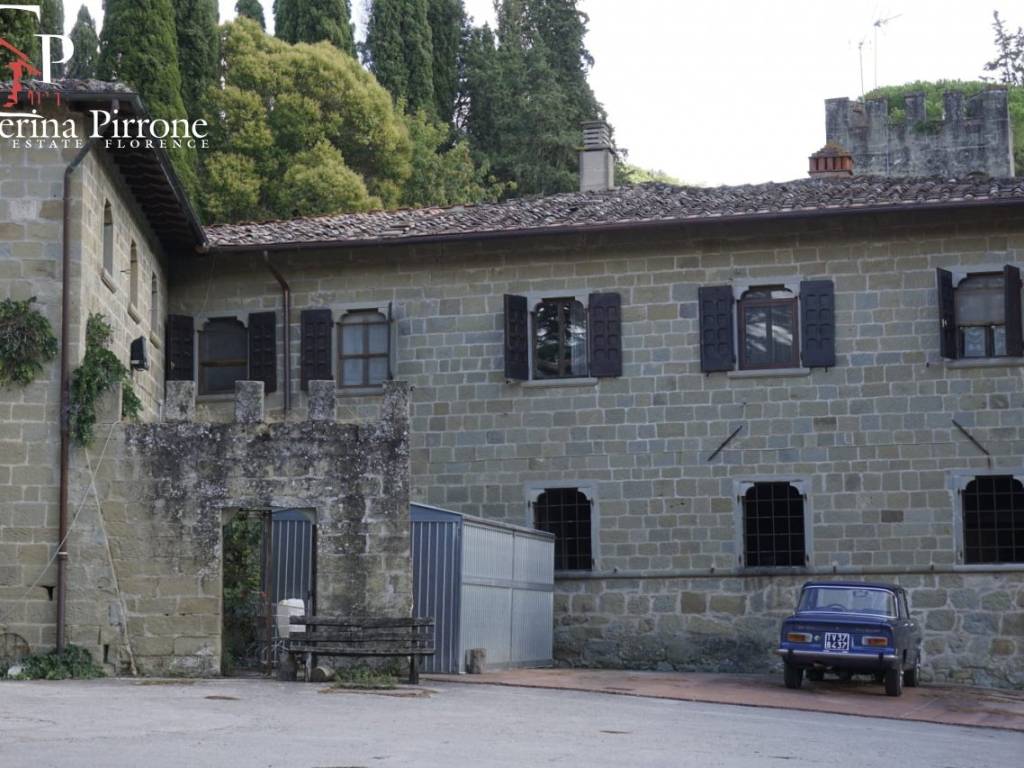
[[973, 135]]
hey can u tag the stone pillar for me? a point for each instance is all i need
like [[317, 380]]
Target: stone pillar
[[248, 402], [394, 411], [180, 401], [322, 400]]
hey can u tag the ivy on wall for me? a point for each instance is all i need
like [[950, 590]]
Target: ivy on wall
[[26, 342], [99, 372]]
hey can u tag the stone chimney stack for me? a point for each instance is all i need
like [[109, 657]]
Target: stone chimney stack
[[830, 161], [597, 158]]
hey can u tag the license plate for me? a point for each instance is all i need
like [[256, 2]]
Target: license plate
[[837, 641]]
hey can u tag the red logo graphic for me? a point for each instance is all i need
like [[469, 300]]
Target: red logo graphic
[[20, 67]]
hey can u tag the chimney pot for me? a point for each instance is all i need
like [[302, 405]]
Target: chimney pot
[[597, 158], [832, 160]]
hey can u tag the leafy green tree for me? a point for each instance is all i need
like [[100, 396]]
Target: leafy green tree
[[399, 51], [87, 47], [627, 174], [139, 46], [1009, 60], [447, 20], [53, 24], [251, 9], [198, 48], [310, 21]]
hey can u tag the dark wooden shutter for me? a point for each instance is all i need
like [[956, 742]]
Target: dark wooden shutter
[[316, 345], [517, 338], [715, 304], [818, 323], [179, 359], [947, 314], [391, 331], [263, 349], [1014, 338], [604, 327]]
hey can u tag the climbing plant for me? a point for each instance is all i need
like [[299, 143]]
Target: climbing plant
[[26, 342], [100, 370]]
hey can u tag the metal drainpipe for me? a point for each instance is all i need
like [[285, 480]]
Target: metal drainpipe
[[286, 294], [65, 392]]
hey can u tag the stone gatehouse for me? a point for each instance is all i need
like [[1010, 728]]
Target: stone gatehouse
[[708, 395]]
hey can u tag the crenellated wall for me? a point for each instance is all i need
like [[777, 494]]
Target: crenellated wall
[[974, 135]]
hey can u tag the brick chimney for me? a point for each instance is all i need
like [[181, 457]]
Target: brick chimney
[[597, 158], [831, 160]]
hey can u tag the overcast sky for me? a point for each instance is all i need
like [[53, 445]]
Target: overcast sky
[[732, 91]]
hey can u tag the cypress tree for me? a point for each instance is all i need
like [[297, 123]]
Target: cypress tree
[[400, 48], [139, 46], [447, 20], [198, 49], [20, 28], [310, 21], [87, 47], [251, 9]]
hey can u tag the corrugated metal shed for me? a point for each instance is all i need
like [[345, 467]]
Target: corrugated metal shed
[[487, 584]]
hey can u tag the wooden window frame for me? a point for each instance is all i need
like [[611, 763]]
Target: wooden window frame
[[563, 324], [203, 365], [990, 341], [365, 357], [743, 304]]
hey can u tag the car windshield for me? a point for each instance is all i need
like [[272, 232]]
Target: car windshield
[[853, 599]]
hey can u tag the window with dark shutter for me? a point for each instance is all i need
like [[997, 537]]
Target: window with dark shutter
[[947, 314], [223, 355], [605, 331], [517, 338], [179, 360], [263, 349], [716, 330], [1014, 337], [316, 345], [818, 323]]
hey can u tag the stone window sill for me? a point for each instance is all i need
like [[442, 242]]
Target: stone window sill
[[769, 373], [133, 313], [985, 362], [108, 280], [545, 383], [359, 391], [226, 397]]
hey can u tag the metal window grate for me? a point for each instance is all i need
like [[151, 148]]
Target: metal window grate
[[773, 525], [565, 512], [994, 520]]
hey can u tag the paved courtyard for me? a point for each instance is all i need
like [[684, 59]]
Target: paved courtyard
[[229, 723]]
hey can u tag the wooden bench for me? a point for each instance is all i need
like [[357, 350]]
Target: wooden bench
[[348, 636]]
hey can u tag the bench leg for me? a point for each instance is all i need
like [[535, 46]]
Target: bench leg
[[308, 672], [287, 669], [414, 670]]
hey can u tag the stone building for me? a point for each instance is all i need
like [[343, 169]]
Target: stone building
[[708, 395]]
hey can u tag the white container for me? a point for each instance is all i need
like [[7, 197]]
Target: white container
[[285, 610]]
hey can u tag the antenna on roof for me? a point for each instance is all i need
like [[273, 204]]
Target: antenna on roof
[[877, 24]]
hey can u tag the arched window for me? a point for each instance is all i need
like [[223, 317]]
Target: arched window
[[108, 239], [773, 525], [994, 520], [223, 355], [133, 278], [364, 348], [154, 304], [559, 339], [565, 512], [768, 329]]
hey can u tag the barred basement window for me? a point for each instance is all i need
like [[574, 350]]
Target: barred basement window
[[994, 520], [364, 349], [223, 355], [773, 525], [565, 512]]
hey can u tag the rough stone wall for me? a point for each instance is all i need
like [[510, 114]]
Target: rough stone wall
[[31, 220], [872, 437], [164, 497], [974, 136]]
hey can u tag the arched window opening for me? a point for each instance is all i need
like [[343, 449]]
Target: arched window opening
[[773, 525], [994, 520], [565, 512]]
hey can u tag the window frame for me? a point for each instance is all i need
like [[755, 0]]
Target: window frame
[[533, 299], [200, 326], [563, 323], [743, 303], [338, 358], [989, 329], [740, 487], [533, 491]]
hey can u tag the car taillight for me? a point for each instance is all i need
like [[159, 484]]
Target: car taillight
[[798, 637], [875, 640]]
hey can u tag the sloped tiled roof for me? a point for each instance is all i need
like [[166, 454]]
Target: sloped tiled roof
[[623, 208]]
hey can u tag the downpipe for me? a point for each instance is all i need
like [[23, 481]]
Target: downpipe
[[286, 296]]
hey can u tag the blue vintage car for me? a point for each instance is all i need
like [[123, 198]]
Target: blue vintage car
[[850, 628]]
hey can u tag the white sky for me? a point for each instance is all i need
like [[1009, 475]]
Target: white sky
[[733, 91]]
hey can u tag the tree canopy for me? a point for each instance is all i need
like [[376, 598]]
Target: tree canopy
[[251, 9], [310, 21], [399, 51], [87, 46], [198, 48]]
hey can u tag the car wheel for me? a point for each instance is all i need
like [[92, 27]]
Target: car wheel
[[815, 675], [793, 676], [912, 677], [893, 681]]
